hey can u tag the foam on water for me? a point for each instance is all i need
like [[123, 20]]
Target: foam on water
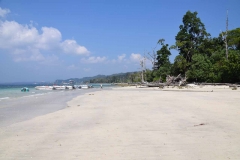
[[4, 98], [34, 95]]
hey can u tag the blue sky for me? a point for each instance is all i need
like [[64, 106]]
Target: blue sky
[[45, 40]]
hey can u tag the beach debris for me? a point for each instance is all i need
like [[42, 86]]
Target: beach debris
[[191, 85], [201, 124], [234, 88], [78, 105], [172, 80]]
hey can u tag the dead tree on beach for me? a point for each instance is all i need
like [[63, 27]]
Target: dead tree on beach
[[174, 81], [153, 58], [224, 36], [143, 68], [170, 81]]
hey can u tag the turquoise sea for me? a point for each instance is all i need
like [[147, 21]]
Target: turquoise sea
[[11, 91]]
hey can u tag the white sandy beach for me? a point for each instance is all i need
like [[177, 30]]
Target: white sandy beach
[[132, 123]]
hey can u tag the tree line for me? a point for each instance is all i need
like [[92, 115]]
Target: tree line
[[129, 77], [201, 58]]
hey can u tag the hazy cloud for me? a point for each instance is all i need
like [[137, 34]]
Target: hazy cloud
[[93, 59], [4, 12], [51, 60], [29, 54], [121, 57], [135, 57]]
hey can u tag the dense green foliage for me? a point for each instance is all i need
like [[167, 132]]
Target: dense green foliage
[[234, 39], [191, 36], [201, 58], [162, 65]]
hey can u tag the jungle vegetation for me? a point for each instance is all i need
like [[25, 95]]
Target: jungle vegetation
[[201, 58]]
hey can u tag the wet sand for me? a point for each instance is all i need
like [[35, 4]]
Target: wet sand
[[23, 108], [132, 123]]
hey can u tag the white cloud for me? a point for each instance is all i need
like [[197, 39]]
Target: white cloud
[[121, 57], [14, 35], [4, 12], [26, 43], [71, 46], [50, 38], [136, 57], [94, 59]]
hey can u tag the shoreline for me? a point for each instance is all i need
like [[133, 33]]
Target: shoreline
[[23, 108], [131, 123]]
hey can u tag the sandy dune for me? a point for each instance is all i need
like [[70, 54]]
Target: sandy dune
[[132, 124]]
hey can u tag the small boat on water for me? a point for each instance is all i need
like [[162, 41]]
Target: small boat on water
[[44, 88], [59, 87], [69, 87], [24, 89], [84, 86], [53, 87], [65, 86]]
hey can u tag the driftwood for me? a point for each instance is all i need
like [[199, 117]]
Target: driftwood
[[170, 81]]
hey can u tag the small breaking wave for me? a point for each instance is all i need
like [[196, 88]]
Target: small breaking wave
[[4, 98], [34, 95]]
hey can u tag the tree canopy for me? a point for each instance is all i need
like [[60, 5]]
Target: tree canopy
[[201, 57], [191, 36]]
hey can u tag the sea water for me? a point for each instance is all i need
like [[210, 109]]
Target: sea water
[[11, 91], [17, 106], [14, 91]]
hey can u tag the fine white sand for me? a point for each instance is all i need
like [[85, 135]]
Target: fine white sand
[[132, 124]]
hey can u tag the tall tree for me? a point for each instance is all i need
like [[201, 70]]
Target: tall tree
[[163, 54], [163, 64], [191, 36]]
